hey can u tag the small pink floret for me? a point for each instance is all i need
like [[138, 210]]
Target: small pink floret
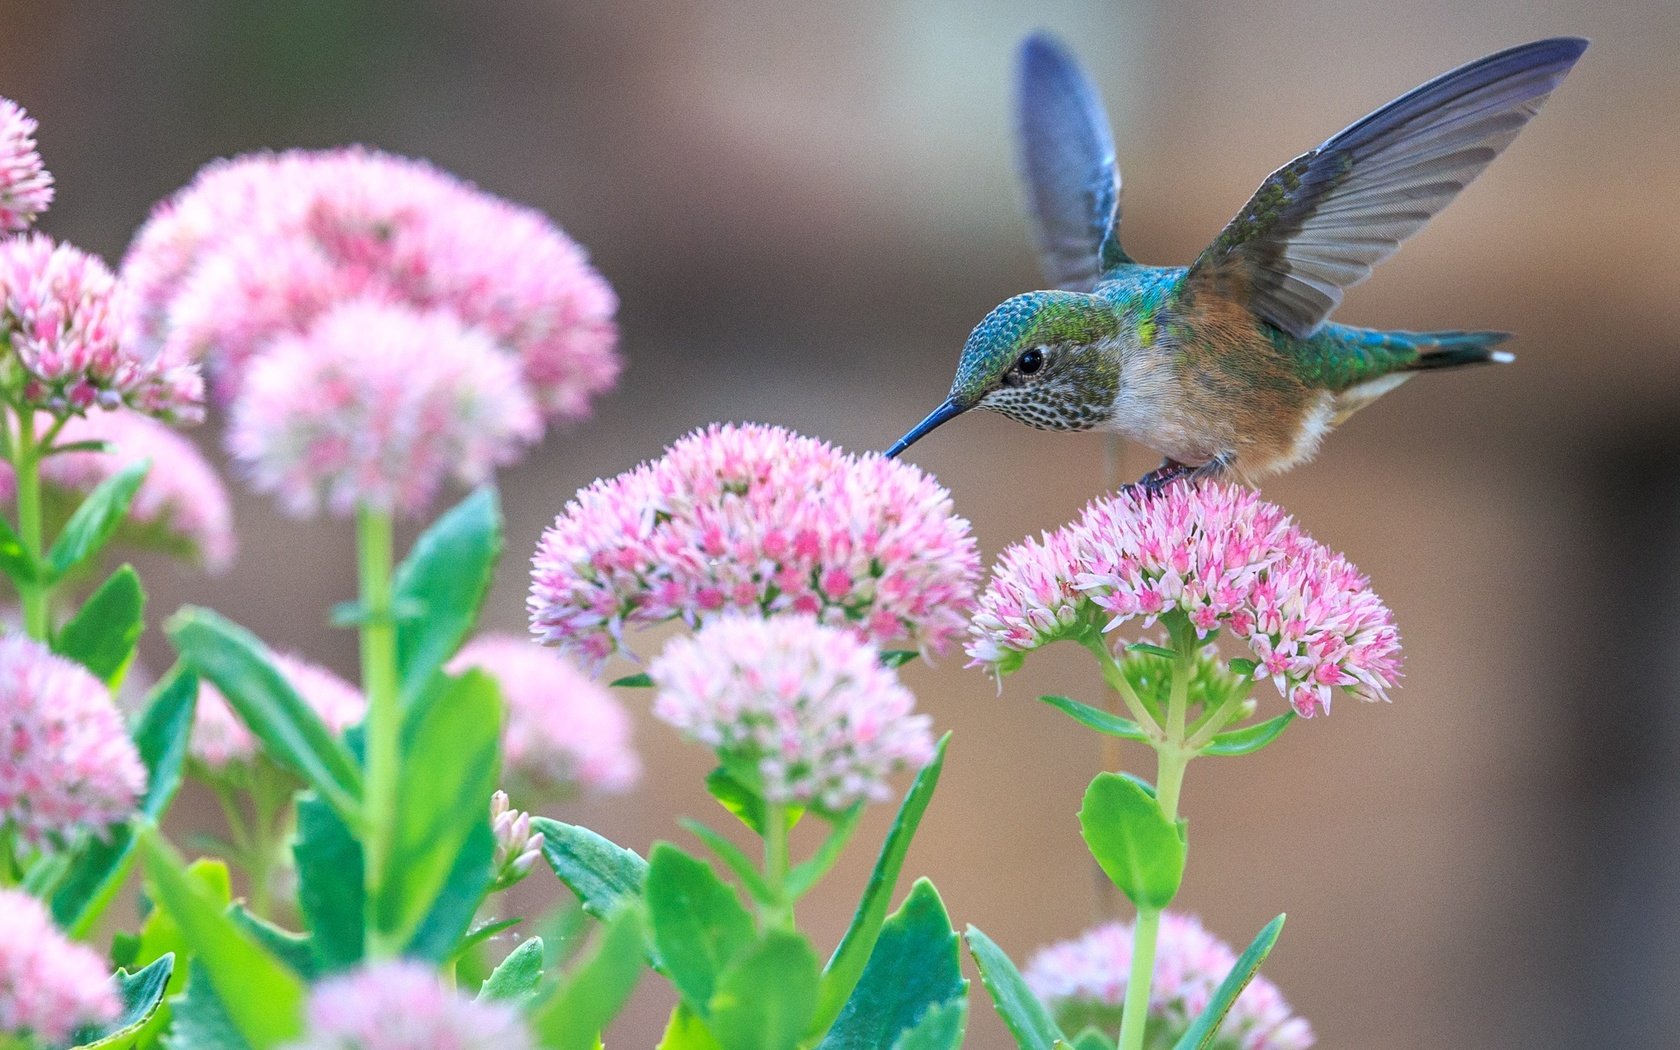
[[402, 1005], [26, 187], [49, 985]]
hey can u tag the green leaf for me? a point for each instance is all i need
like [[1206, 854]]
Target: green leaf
[[291, 948], [808, 873], [103, 633], [1027, 1019], [604, 875], [685, 1031], [263, 999], [697, 922], [439, 935], [200, 1021], [633, 681], [1201, 1033], [161, 935], [290, 731], [1152, 650], [1096, 718], [898, 657], [449, 768], [739, 798], [330, 890], [161, 737], [1249, 739], [1138, 848], [765, 998], [141, 994], [15, 561], [1243, 667], [914, 969], [941, 1028], [447, 574], [482, 933], [95, 520], [846, 965], [594, 991], [518, 975], [732, 857]]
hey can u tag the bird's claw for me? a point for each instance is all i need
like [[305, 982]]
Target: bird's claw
[[1156, 481]]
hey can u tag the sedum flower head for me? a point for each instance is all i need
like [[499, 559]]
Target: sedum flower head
[[220, 740], [182, 505], [1083, 982], [401, 1005], [26, 187], [562, 727], [260, 246], [756, 518], [377, 405], [66, 764], [69, 324], [49, 985], [1219, 556], [805, 710]]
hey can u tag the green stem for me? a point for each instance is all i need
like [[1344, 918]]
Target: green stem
[[384, 715], [778, 914], [1134, 1015], [26, 462], [1116, 678]]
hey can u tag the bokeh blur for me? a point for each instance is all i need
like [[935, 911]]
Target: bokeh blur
[[805, 207]]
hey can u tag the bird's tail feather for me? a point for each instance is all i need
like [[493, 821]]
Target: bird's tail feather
[[1452, 349]]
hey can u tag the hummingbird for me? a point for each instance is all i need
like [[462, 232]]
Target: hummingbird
[[1230, 366]]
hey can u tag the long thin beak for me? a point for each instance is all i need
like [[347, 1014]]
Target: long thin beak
[[949, 410]]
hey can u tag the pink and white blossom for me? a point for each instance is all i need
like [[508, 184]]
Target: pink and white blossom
[[758, 519], [1083, 981], [49, 985], [401, 1005], [26, 187], [563, 728], [67, 767], [808, 708], [220, 739], [517, 847], [1220, 556]]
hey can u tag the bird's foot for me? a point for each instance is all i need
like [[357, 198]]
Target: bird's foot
[[1171, 471]]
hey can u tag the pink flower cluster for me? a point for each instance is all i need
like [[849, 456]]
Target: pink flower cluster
[[69, 323], [263, 245], [26, 187], [1220, 556], [808, 708], [1083, 981], [759, 519], [401, 1005], [376, 406], [49, 985], [182, 504], [66, 765], [220, 740], [563, 729]]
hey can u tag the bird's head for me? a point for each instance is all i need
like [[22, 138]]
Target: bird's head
[[1037, 358]]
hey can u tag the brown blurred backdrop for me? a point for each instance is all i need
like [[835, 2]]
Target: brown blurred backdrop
[[805, 208]]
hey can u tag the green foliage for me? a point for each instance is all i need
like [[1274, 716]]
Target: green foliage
[[445, 577], [737, 862], [743, 800], [161, 935], [941, 1028], [516, 978], [1027, 1019], [764, 999], [263, 999], [450, 762], [439, 935], [604, 875], [15, 561], [330, 892], [293, 949], [201, 1020], [141, 993], [1201, 1033], [808, 873], [1097, 719], [697, 923], [592, 993], [1138, 848], [685, 1031], [633, 681], [103, 633], [92, 524], [1249, 739], [846, 965], [289, 730], [914, 970], [898, 657], [101, 866]]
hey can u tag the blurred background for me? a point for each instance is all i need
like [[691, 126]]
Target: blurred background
[[806, 207]]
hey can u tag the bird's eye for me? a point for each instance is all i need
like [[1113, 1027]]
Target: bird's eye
[[1030, 362]]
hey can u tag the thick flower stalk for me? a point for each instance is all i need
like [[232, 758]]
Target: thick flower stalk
[[67, 768], [401, 1005], [1083, 981], [1222, 559], [564, 731], [755, 519], [26, 187], [375, 408], [50, 986], [182, 505], [805, 712], [262, 246]]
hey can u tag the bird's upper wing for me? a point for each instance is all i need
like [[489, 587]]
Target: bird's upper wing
[[1320, 222], [1066, 156]]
